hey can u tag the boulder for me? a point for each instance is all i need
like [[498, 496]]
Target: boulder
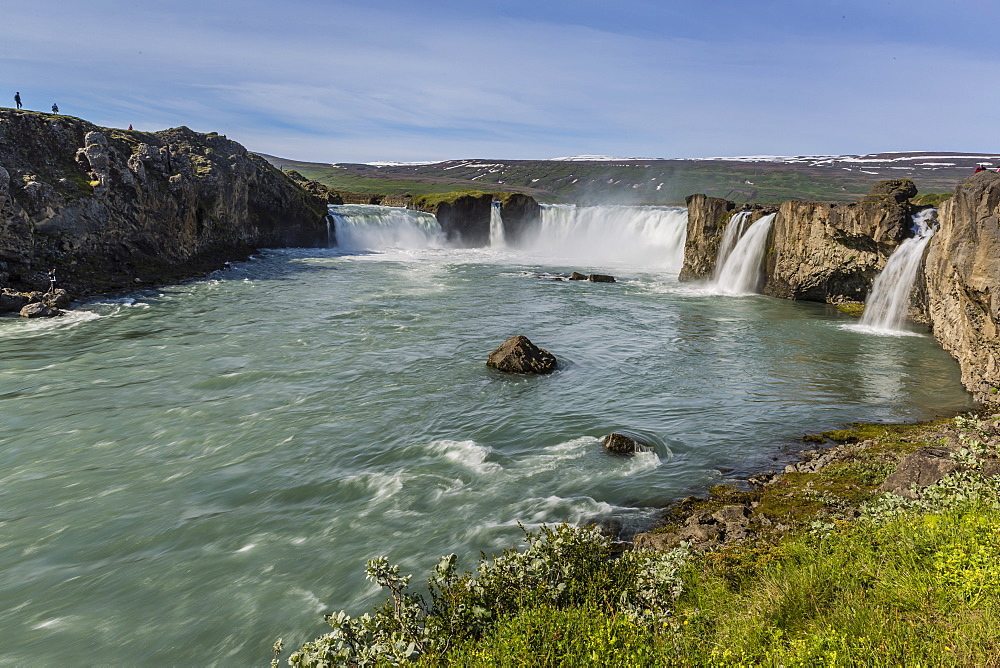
[[11, 300], [39, 310], [601, 278], [519, 355], [620, 444], [58, 298], [577, 276], [919, 469]]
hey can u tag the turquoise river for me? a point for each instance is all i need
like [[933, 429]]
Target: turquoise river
[[188, 473]]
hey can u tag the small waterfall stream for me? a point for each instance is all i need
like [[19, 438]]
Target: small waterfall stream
[[740, 274], [497, 239], [734, 231], [889, 300]]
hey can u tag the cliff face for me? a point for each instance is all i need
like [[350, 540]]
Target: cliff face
[[816, 251], [962, 282], [519, 213], [111, 208]]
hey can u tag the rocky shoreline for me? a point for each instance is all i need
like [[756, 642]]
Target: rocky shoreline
[[829, 483]]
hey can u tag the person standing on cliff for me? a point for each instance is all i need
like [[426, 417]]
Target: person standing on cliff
[[55, 108], [17, 99], [52, 279]]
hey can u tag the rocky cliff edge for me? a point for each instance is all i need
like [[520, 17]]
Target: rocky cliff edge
[[962, 282], [111, 208]]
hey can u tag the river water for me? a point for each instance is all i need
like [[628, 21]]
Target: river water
[[188, 473]]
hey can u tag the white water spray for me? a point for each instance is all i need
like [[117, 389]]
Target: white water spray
[[740, 274], [371, 227], [649, 237], [329, 234], [734, 231], [497, 238], [889, 300]]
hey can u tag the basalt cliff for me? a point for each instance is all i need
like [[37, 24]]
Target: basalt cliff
[[113, 208], [961, 281], [833, 252]]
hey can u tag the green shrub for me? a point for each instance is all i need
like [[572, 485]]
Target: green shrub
[[561, 568]]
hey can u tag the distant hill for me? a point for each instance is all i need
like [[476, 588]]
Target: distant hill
[[591, 179]]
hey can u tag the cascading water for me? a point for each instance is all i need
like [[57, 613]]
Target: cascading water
[[497, 239], [636, 236], [740, 274], [887, 304], [370, 227], [734, 231], [329, 230]]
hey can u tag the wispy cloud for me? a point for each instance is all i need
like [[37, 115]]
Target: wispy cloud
[[341, 81]]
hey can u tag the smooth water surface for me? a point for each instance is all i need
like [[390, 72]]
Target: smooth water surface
[[189, 473]]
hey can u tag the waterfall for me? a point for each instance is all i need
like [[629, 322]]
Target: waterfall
[[887, 304], [329, 230], [371, 227], [734, 231], [650, 237], [740, 274], [497, 239]]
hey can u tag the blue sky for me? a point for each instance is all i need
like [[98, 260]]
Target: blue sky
[[390, 80]]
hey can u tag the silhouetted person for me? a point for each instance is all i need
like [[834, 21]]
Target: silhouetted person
[[55, 108], [17, 99]]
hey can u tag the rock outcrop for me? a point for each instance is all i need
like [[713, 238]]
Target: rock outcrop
[[817, 251], [464, 217], [962, 282], [111, 208], [519, 355]]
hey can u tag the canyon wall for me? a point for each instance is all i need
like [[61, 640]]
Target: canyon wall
[[112, 208], [962, 282]]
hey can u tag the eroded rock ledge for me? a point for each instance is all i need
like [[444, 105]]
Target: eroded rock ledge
[[115, 209]]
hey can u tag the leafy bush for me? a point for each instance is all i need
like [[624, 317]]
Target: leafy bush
[[561, 567]]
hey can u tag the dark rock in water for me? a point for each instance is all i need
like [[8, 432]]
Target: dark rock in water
[[11, 300], [623, 445], [577, 276], [58, 298], [519, 355], [919, 469], [601, 278], [39, 310]]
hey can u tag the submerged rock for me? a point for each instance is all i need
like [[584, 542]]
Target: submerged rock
[[519, 355], [39, 310], [621, 444], [577, 276]]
